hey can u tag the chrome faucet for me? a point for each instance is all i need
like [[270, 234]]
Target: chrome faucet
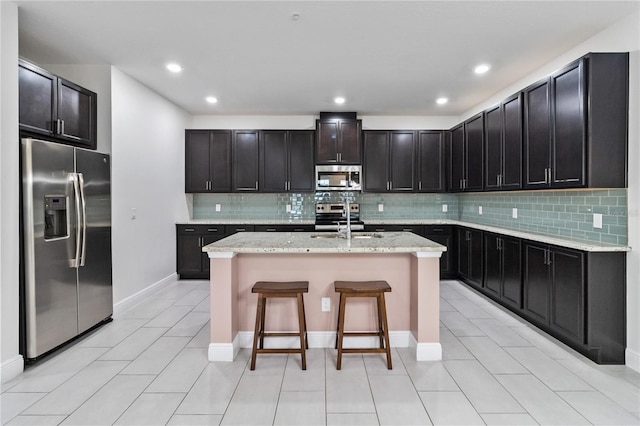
[[347, 230]]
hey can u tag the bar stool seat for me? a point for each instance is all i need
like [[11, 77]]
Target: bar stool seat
[[375, 289], [272, 289]]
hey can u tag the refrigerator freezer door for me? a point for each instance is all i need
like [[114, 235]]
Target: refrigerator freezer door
[[50, 285], [95, 298]]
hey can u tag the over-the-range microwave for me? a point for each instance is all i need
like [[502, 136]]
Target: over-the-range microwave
[[338, 178]]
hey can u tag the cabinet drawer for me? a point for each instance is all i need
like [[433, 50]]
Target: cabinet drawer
[[200, 229], [438, 230], [232, 229]]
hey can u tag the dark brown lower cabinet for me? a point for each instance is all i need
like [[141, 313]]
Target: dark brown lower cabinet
[[443, 234], [469, 250], [503, 269], [191, 262]]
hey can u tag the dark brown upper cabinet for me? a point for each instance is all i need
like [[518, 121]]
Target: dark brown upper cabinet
[[576, 125], [503, 145], [207, 160], [466, 159], [389, 161], [246, 156], [56, 108], [431, 161], [286, 161], [338, 141]]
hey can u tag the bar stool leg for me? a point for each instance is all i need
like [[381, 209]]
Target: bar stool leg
[[304, 318], [303, 330], [383, 309], [338, 326], [258, 331], [380, 325], [340, 336], [263, 311]]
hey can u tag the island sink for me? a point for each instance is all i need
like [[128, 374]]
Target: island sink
[[354, 235]]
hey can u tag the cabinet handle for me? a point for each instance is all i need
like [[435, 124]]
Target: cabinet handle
[[271, 229], [546, 180], [464, 183], [549, 252], [189, 230], [380, 229], [256, 185], [285, 186], [460, 184], [420, 186], [467, 236], [550, 181], [240, 229], [212, 230]]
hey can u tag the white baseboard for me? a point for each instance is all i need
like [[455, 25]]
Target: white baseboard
[[426, 351], [143, 294], [632, 360], [317, 339], [224, 351], [11, 368]]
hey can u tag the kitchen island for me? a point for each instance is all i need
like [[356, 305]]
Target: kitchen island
[[408, 262]]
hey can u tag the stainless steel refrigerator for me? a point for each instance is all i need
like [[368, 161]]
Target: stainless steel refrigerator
[[66, 244]]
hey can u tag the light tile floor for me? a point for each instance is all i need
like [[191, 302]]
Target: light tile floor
[[149, 367]]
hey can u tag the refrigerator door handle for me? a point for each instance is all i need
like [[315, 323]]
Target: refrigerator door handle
[[83, 203], [75, 262]]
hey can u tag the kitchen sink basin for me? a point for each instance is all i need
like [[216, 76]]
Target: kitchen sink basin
[[354, 235]]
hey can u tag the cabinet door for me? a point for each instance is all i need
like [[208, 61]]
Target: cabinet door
[[402, 161], [474, 153], [511, 272], [189, 252], [512, 143], [245, 160], [77, 112], [446, 267], [475, 257], [456, 167], [273, 161], [376, 161], [197, 155], [567, 293], [220, 161], [431, 162], [349, 141], [537, 135], [493, 148], [211, 235], [37, 98], [327, 142], [492, 264], [301, 170], [568, 126], [537, 283]]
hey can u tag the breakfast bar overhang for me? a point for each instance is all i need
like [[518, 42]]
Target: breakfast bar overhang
[[408, 262]]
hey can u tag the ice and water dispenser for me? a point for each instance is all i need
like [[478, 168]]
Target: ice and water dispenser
[[55, 217]]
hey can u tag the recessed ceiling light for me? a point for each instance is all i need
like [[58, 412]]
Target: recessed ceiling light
[[211, 99], [481, 69], [173, 67], [339, 100], [442, 101]]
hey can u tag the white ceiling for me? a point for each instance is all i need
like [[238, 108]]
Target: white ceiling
[[384, 57]]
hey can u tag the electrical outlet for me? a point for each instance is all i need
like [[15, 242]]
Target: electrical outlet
[[133, 213], [288, 208], [597, 220], [480, 210], [380, 207], [218, 207], [445, 208], [326, 304], [514, 213]]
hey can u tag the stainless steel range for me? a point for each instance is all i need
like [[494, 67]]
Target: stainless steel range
[[331, 216]]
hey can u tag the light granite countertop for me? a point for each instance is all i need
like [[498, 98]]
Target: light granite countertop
[[304, 242], [573, 243]]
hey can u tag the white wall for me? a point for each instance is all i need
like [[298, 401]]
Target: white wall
[[147, 175], [10, 360], [624, 36], [302, 122]]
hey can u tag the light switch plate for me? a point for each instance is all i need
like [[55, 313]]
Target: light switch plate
[[133, 213], [218, 207], [380, 207], [514, 213], [288, 208], [480, 210], [597, 220], [445, 208]]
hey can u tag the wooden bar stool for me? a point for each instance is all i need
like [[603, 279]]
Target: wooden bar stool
[[375, 289], [270, 289]]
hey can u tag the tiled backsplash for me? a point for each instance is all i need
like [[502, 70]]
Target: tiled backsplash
[[566, 213]]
